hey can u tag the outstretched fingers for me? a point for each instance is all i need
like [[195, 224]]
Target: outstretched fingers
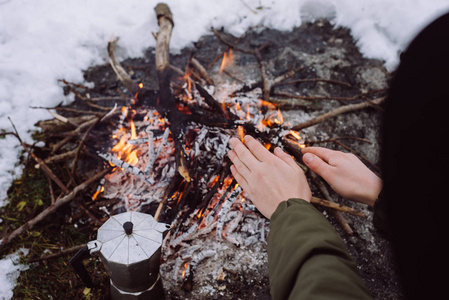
[[238, 164], [257, 149], [243, 154], [240, 179], [285, 157]]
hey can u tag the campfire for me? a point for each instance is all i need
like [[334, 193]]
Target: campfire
[[166, 152]]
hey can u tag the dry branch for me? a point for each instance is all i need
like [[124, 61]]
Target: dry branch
[[81, 128], [337, 206], [337, 215], [57, 255], [165, 21], [197, 65], [314, 80], [52, 208], [81, 144], [130, 85], [336, 112]]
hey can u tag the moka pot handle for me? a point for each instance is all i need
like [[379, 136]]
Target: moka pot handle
[[77, 264]]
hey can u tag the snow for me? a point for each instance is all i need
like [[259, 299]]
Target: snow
[[43, 41], [10, 271]]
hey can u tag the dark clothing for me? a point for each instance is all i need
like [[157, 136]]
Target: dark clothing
[[306, 257], [416, 163]]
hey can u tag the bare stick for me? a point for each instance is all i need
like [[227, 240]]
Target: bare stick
[[337, 215], [80, 146], [118, 69], [314, 80], [52, 194], [165, 21], [197, 65], [69, 109], [310, 143], [52, 208], [337, 206], [57, 255], [287, 75], [266, 82], [336, 112], [80, 128]]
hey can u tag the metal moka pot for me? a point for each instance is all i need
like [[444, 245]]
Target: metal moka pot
[[129, 246]]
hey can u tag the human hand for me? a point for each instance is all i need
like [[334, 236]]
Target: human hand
[[267, 178], [345, 173]]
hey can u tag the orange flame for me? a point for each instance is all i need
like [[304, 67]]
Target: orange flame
[[98, 192], [295, 134], [200, 213], [133, 130], [241, 133], [186, 265], [228, 60], [280, 119], [126, 152], [187, 78]]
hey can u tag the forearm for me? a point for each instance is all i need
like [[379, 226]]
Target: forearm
[[306, 257]]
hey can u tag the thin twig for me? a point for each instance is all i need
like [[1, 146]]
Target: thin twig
[[310, 143], [52, 194], [314, 80], [336, 112], [336, 206], [195, 63], [130, 85], [80, 146], [57, 255], [337, 215]]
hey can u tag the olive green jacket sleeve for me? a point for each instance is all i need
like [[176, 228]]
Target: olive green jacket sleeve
[[306, 257]]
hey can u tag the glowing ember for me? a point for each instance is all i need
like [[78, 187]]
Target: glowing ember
[[295, 134]]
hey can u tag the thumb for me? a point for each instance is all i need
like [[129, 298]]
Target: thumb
[[317, 165]]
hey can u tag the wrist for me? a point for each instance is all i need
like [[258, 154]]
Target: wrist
[[372, 194]]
